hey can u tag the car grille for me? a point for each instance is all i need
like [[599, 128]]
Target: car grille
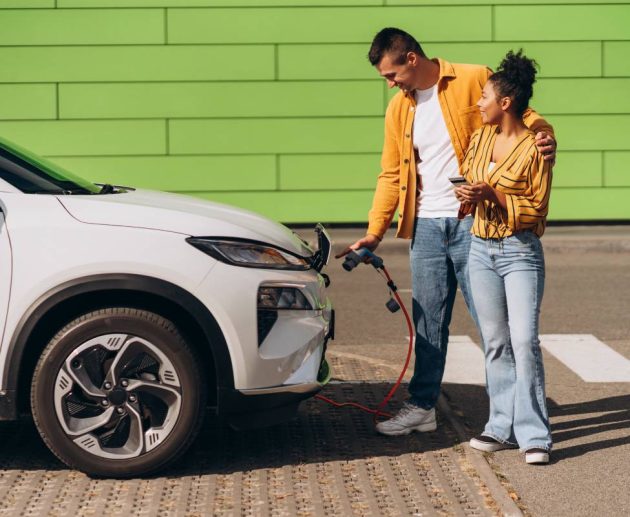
[[266, 320]]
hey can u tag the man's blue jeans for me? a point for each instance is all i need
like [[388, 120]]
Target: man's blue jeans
[[439, 261], [507, 278]]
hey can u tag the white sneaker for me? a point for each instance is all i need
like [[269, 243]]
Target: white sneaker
[[409, 418], [537, 456]]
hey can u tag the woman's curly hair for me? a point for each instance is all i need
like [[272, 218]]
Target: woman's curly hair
[[515, 78]]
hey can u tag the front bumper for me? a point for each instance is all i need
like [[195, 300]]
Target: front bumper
[[260, 407], [266, 406], [276, 361]]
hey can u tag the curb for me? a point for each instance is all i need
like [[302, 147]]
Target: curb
[[557, 239]]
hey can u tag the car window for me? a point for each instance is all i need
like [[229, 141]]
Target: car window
[[35, 175]]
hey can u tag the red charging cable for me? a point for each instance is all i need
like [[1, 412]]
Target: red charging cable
[[379, 409]]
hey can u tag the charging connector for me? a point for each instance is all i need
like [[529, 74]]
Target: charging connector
[[365, 256], [361, 255], [353, 259]]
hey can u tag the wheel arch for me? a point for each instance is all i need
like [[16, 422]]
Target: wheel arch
[[60, 305]]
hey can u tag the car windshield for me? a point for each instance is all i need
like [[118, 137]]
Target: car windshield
[[33, 174]]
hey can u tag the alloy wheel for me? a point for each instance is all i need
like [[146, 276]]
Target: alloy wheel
[[117, 396]]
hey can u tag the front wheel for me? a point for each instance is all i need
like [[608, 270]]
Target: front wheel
[[118, 392]]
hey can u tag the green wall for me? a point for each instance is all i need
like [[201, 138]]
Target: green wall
[[272, 104]]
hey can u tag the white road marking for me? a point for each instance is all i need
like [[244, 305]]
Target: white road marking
[[584, 354], [464, 362], [588, 357]]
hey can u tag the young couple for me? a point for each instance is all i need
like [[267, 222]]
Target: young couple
[[450, 120]]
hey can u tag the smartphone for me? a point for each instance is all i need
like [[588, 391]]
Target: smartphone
[[458, 180]]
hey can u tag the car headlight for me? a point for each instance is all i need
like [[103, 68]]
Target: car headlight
[[249, 254]]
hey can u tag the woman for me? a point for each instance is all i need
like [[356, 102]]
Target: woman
[[509, 184]]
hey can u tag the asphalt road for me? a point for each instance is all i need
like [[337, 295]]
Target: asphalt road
[[587, 292]]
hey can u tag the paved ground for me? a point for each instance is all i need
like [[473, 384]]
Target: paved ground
[[587, 292], [329, 461], [326, 462]]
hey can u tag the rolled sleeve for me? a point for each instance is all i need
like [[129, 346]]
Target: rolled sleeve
[[536, 123], [386, 196], [526, 211]]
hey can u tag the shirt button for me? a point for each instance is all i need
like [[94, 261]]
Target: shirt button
[[408, 135], [403, 188], [406, 160]]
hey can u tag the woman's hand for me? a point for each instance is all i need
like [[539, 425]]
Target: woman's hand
[[478, 192], [475, 193], [465, 209]]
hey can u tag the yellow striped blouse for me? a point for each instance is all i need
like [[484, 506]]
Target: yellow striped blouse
[[523, 176]]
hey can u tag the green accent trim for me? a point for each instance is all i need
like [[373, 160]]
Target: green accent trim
[[325, 373]]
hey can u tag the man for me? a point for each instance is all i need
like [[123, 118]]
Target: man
[[428, 125]]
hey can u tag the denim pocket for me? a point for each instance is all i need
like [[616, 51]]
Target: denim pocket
[[523, 240]]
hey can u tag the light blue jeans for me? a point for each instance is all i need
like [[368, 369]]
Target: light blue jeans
[[507, 278], [439, 261]]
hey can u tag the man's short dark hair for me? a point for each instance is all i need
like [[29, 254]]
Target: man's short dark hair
[[396, 42]]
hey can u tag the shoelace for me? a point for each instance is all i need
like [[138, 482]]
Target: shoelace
[[405, 410]]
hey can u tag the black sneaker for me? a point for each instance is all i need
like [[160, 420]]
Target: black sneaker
[[487, 444], [537, 456]]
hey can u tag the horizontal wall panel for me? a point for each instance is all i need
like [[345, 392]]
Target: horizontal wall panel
[[499, 2], [578, 169], [617, 169], [136, 63], [562, 22], [26, 4], [81, 26], [616, 62], [255, 136], [179, 173], [592, 132], [334, 24], [28, 101], [329, 171], [589, 203], [254, 99], [301, 207], [211, 3], [582, 96], [88, 138], [349, 61], [557, 59]]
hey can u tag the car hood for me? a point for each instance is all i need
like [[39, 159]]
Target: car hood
[[181, 214]]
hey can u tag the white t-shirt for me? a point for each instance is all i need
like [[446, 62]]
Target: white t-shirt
[[438, 161]]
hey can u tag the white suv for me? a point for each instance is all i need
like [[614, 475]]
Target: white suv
[[124, 313]]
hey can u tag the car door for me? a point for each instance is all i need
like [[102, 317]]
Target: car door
[[6, 267]]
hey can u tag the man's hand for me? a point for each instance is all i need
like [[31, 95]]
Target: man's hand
[[370, 242], [547, 146]]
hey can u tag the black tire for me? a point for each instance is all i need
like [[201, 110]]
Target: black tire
[[164, 392]]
